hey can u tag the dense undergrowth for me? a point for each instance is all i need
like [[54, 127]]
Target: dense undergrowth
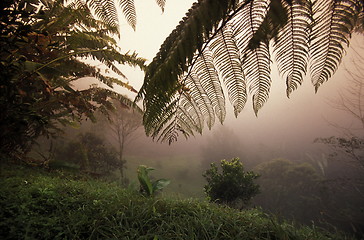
[[36, 204]]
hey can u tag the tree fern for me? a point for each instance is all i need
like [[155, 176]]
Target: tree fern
[[223, 48]]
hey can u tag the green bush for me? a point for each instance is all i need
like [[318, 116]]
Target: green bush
[[232, 185]]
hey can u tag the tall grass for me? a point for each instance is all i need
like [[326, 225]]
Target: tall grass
[[41, 205]]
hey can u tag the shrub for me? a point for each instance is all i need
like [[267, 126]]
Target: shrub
[[232, 186]]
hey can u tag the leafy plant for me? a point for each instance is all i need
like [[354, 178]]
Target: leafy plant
[[42, 44], [223, 48], [231, 184], [149, 187]]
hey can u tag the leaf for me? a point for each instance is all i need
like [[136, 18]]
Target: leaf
[[227, 60], [291, 47], [128, 8], [222, 48], [105, 10], [334, 23], [161, 4], [160, 184], [205, 71], [144, 179]]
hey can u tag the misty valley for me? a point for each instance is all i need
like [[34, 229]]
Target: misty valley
[[99, 142]]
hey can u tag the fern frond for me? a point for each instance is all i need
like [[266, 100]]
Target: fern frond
[[333, 26], [227, 60], [292, 44], [231, 39], [200, 97], [204, 69], [161, 4], [128, 8], [256, 65], [177, 51], [105, 10], [186, 119], [191, 113], [256, 61], [156, 119]]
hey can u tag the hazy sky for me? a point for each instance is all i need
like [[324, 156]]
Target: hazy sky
[[291, 123]]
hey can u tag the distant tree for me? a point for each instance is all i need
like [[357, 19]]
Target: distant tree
[[345, 165], [124, 123], [90, 153], [351, 103], [232, 185], [297, 191], [288, 189]]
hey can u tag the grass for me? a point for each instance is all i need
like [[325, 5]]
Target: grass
[[41, 205]]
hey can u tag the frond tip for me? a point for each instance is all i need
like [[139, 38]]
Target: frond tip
[[128, 8], [161, 4]]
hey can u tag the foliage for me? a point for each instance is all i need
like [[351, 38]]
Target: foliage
[[222, 48], [107, 10], [147, 186], [40, 205], [90, 153], [231, 184], [292, 190], [42, 45]]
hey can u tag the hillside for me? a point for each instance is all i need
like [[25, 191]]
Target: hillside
[[36, 204]]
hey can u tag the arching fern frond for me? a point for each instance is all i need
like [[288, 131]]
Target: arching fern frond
[[106, 10], [199, 95], [255, 59], [128, 8], [227, 60], [222, 48], [292, 44], [206, 73], [334, 23]]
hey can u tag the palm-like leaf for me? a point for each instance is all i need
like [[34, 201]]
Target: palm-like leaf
[[106, 10], [205, 71], [292, 44], [223, 48], [334, 23], [128, 8]]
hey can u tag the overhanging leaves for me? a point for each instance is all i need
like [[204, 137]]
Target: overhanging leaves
[[222, 48]]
